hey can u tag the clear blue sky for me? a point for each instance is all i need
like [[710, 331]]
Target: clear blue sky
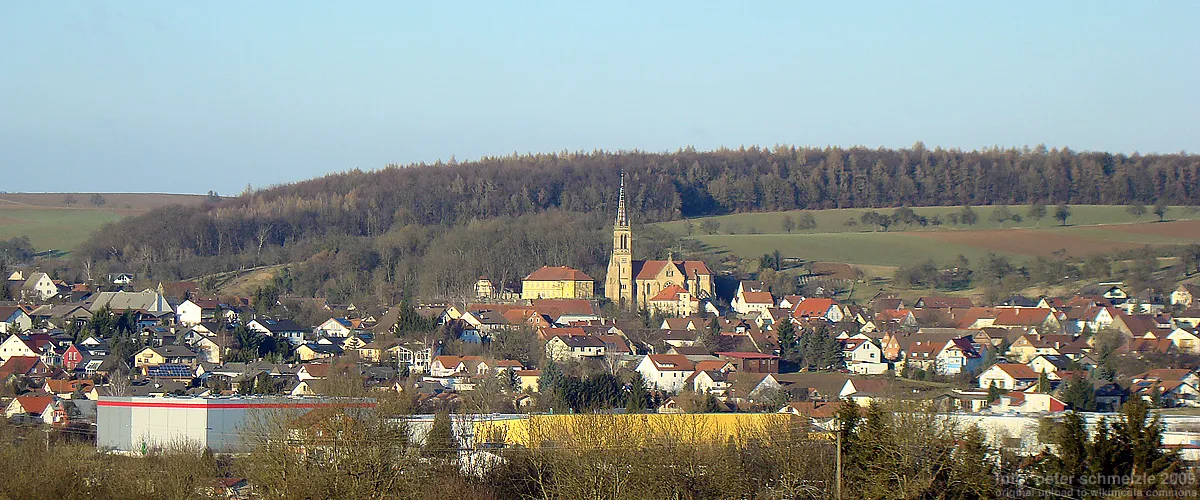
[[192, 96]]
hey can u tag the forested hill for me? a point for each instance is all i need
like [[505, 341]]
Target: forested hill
[[292, 222]]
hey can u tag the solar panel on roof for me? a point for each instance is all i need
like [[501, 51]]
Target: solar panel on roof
[[170, 371]]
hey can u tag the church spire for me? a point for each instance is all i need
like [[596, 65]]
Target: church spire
[[622, 218]]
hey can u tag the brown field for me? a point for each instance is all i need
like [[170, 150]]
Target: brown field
[[1189, 229], [1074, 241]]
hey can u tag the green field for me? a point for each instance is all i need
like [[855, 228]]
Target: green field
[[834, 221], [52, 224], [54, 228], [1091, 229]]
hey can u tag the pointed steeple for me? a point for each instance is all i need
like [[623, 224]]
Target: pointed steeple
[[622, 218]]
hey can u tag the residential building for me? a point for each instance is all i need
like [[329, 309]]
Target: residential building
[[665, 372], [559, 282], [1008, 376]]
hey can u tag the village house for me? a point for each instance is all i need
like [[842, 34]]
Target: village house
[[1027, 403], [563, 347], [751, 297], [665, 372], [337, 327], [863, 356], [673, 300], [32, 406], [1008, 376], [25, 345], [192, 312], [39, 287], [312, 351], [1186, 341], [13, 319], [825, 309], [169, 354], [958, 356], [278, 328], [751, 362], [1186, 295], [559, 282], [1050, 363]]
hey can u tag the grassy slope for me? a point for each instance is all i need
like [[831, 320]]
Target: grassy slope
[[52, 224], [833, 221], [1093, 228]]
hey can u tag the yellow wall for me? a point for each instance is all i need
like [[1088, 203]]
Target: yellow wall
[[643, 428], [565, 289]]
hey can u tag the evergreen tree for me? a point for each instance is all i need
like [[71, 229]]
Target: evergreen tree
[[1043, 383], [786, 334], [440, 441], [5, 292], [638, 398], [1080, 394], [994, 392]]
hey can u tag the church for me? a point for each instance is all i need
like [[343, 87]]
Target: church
[[635, 283]]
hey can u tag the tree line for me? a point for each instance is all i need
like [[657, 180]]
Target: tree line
[[416, 205]]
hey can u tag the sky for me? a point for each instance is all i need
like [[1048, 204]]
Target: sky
[[186, 97]]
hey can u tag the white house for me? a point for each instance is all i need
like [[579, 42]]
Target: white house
[[1028, 402], [194, 311], [751, 296], [959, 355], [416, 356], [14, 345], [863, 355], [336, 327], [280, 329], [1187, 295], [1049, 363], [14, 319], [39, 286], [1008, 376], [825, 309], [1185, 341], [562, 347], [665, 372]]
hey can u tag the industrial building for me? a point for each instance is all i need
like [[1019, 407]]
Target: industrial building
[[144, 424]]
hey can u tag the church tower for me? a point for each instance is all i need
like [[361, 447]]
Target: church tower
[[618, 284]]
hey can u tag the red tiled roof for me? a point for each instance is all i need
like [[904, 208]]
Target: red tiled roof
[[560, 273], [1022, 316], [669, 293], [1017, 371], [35, 404], [812, 308], [671, 362], [758, 298]]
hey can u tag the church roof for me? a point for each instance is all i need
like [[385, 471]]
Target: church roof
[[649, 269]]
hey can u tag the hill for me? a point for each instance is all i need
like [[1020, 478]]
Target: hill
[[431, 230], [1092, 229], [53, 223]]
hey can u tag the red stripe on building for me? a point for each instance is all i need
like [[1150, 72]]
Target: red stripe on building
[[233, 406]]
